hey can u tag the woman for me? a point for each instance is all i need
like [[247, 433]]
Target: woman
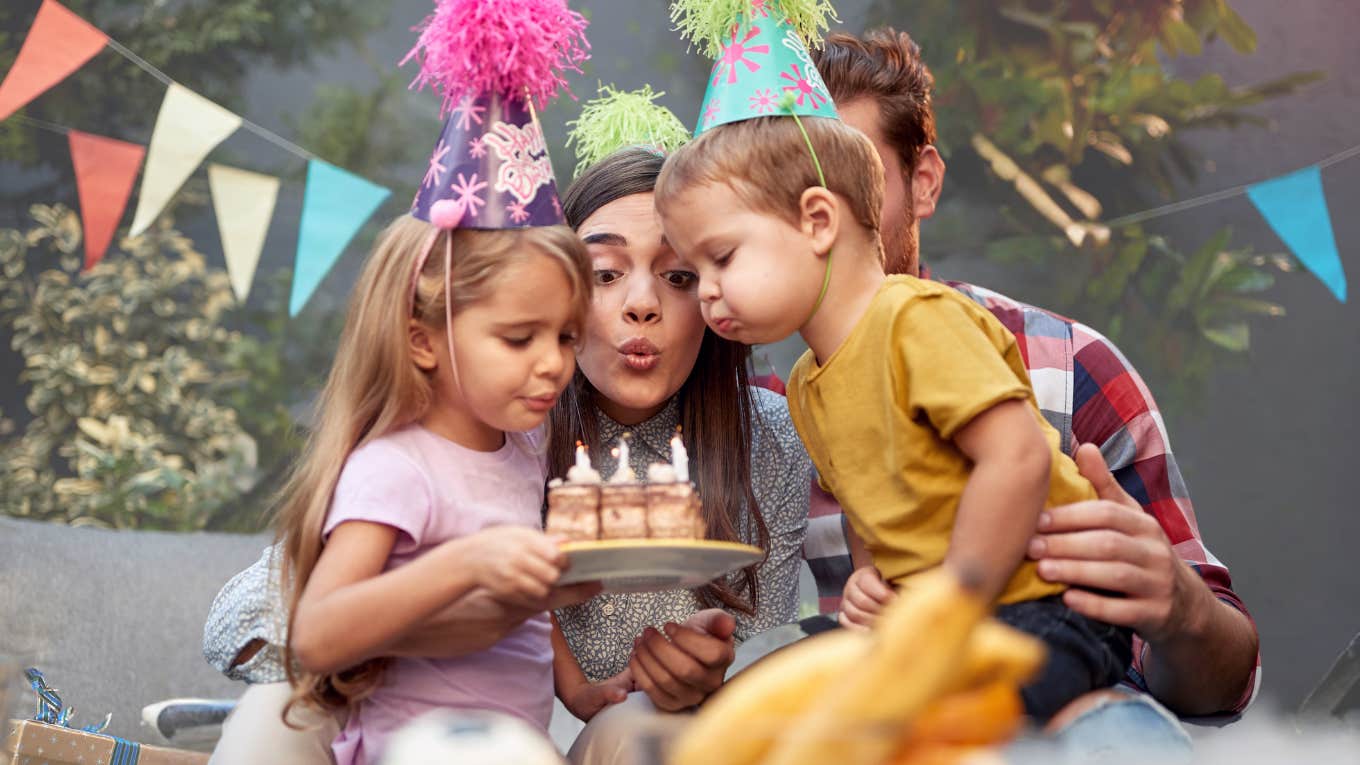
[[647, 364]]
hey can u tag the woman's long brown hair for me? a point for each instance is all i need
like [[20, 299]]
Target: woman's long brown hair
[[716, 409]]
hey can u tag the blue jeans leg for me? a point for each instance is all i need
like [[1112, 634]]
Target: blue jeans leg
[[1131, 729]]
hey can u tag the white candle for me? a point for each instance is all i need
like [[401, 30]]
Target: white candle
[[679, 458], [582, 458]]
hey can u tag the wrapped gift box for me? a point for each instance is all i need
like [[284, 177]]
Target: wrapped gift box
[[34, 743]]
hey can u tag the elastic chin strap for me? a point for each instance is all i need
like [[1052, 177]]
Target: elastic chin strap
[[425, 253], [787, 103], [448, 313]]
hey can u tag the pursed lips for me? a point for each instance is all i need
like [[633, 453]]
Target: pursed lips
[[640, 354]]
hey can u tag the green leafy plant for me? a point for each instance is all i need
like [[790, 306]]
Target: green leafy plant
[[1060, 116], [127, 366]]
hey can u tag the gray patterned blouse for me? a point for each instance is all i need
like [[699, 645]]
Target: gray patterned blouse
[[601, 631]]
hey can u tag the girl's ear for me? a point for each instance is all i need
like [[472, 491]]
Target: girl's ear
[[819, 218], [421, 342]]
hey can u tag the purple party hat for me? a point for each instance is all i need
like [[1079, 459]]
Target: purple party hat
[[494, 61]]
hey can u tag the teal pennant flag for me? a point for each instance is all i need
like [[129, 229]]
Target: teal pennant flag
[[334, 207], [1295, 206]]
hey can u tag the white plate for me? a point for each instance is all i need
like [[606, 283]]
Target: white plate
[[645, 565]]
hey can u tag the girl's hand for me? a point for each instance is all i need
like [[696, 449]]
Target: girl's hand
[[515, 564], [865, 595], [590, 698]]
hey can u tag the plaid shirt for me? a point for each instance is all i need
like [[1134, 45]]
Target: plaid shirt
[[1091, 394]]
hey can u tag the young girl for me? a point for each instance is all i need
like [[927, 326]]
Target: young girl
[[424, 477]]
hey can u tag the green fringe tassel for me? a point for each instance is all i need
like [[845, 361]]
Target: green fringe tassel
[[707, 23], [620, 118]]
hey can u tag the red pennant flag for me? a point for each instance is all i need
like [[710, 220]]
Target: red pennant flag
[[59, 43], [105, 170]]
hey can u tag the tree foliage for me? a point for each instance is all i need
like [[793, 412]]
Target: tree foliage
[[126, 366], [1060, 116], [210, 440]]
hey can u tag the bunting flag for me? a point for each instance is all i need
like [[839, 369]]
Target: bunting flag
[[187, 128], [1295, 206], [334, 208], [244, 204], [105, 169], [59, 43]]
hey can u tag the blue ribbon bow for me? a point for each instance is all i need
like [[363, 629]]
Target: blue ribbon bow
[[51, 712]]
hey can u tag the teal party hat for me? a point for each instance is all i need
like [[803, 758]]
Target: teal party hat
[[762, 65]]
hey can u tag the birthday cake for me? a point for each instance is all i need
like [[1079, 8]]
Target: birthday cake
[[585, 508]]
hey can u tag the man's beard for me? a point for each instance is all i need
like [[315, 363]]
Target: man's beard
[[900, 252]]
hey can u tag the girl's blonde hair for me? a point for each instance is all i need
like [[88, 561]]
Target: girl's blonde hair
[[375, 387]]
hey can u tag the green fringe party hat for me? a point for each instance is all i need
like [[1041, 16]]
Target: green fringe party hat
[[620, 118]]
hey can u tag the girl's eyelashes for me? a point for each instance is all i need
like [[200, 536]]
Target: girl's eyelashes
[[517, 342], [607, 276], [724, 258]]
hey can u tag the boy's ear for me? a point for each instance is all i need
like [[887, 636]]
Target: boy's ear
[[421, 342], [819, 218]]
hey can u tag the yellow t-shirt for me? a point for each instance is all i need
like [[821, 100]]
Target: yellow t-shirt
[[879, 417]]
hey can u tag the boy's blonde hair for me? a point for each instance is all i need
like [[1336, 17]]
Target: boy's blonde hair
[[375, 387], [767, 164]]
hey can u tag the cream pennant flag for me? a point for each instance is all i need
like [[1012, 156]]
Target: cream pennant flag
[[188, 127], [244, 203]]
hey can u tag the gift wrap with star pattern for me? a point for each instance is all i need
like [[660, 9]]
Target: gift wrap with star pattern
[[34, 743]]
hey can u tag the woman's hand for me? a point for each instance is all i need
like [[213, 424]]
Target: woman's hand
[[865, 595], [588, 699], [515, 564], [680, 672], [477, 621]]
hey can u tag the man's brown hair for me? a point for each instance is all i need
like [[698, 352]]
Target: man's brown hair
[[767, 164], [884, 65]]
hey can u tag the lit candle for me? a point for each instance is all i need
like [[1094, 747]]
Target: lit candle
[[582, 458], [624, 467], [623, 472], [679, 459]]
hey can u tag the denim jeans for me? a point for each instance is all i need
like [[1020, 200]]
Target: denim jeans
[[1083, 654], [1132, 729]]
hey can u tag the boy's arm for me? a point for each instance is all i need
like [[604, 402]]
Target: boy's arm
[[859, 554], [1000, 506], [865, 592]]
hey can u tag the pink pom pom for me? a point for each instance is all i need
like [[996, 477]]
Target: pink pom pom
[[519, 49], [446, 214]]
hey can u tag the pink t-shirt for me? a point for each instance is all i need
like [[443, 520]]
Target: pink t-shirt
[[433, 490]]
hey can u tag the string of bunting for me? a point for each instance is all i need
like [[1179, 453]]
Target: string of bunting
[[336, 203], [1295, 206]]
